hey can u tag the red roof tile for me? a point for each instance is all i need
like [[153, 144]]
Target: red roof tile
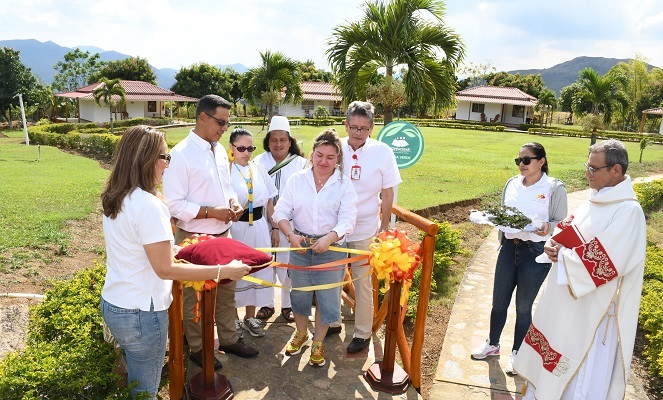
[[320, 91], [496, 94], [656, 111], [134, 90]]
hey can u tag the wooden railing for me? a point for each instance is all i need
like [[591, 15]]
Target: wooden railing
[[410, 356]]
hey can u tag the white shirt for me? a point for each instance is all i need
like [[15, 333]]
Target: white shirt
[[196, 178], [130, 279], [281, 176], [263, 186], [379, 171], [533, 201], [333, 208]]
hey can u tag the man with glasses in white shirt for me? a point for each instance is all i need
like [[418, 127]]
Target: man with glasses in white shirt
[[372, 168], [201, 200]]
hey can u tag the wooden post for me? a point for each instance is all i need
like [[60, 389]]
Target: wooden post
[[208, 385], [176, 344], [387, 376]]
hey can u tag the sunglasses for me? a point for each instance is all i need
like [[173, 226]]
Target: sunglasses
[[221, 122], [526, 160], [242, 149], [164, 157]]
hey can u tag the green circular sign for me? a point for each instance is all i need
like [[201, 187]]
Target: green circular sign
[[406, 140]]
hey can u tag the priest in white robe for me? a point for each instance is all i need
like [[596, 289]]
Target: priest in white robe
[[581, 340]]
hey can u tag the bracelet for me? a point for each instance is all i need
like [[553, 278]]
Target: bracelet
[[218, 274], [287, 237], [206, 214]]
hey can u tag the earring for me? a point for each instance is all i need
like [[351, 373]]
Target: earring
[[231, 156]]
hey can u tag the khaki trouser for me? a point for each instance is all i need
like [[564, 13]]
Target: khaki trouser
[[363, 293], [224, 315]]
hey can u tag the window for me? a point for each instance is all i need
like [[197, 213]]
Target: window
[[518, 111], [478, 108], [307, 105], [151, 106]]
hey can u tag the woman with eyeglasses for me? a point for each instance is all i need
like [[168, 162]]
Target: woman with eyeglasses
[[255, 191], [139, 257], [540, 198]]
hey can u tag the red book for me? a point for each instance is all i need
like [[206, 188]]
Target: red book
[[569, 237]]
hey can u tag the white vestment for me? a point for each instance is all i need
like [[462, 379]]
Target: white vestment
[[571, 319]]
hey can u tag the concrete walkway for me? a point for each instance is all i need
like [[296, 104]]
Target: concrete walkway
[[460, 377]]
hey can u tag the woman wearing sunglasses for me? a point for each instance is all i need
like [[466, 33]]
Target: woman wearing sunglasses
[[255, 191], [139, 257], [540, 198]]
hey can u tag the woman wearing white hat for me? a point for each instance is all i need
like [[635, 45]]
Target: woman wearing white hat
[[282, 158]]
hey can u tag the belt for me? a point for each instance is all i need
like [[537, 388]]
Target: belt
[[257, 214], [314, 238], [519, 241]]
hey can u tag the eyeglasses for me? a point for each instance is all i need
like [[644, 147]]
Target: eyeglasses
[[165, 157], [592, 170], [526, 160], [221, 122], [242, 149], [358, 129]]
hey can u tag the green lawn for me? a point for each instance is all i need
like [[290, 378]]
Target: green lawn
[[37, 197], [466, 164]]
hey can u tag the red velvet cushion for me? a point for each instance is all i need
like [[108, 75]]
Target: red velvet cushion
[[222, 251]]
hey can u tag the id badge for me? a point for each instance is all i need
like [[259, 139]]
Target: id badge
[[355, 172]]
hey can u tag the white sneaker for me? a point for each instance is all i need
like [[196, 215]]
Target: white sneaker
[[252, 325], [486, 350], [509, 366], [238, 328]]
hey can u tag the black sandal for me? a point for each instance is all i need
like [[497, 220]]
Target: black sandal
[[265, 312], [287, 314]]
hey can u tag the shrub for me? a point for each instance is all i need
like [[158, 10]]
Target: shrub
[[448, 244], [65, 356], [650, 195], [651, 310]]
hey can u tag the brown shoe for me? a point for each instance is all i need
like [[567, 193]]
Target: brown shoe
[[197, 359], [239, 349]]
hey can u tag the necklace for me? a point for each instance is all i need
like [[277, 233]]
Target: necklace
[[249, 186]]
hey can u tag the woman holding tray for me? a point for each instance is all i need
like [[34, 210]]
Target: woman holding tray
[[543, 199]]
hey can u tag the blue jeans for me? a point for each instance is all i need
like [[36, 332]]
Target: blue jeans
[[516, 269], [329, 300], [142, 336]]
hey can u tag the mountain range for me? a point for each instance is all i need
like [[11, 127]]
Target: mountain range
[[40, 57]]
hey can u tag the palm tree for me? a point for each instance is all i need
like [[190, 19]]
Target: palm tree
[[106, 92], [396, 33], [604, 92], [278, 73], [546, 103]]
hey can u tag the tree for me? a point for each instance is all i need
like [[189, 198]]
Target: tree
[[74, 72], [130, 69], [476, 74], [310, 73], [530, 84], [393, 33], [636, 79], [14, 78], [111, 93], [546, 103], [202, 79], [604, 92], [277, 74]]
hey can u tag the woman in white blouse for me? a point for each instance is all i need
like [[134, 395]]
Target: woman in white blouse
[[322, 204], [255, 191]]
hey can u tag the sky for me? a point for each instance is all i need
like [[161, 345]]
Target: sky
[[507, 34]]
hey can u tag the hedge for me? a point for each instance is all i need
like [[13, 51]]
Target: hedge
[[65, 355], [625, 137], [650, 196]]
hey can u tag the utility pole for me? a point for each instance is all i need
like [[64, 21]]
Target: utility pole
[[25, 124]]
